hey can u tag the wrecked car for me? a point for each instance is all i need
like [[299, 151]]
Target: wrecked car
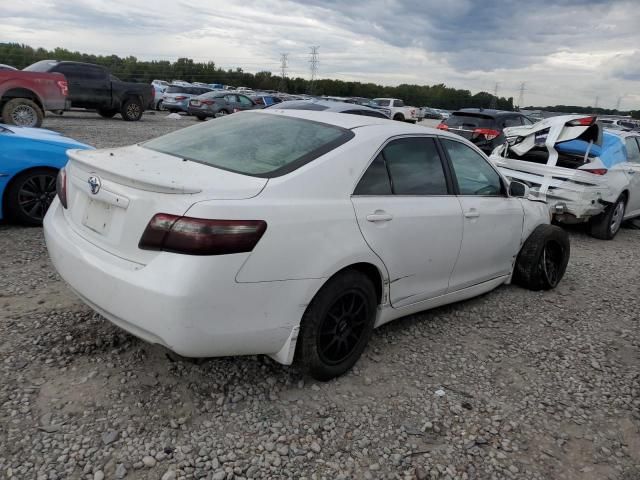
[[587, 174]]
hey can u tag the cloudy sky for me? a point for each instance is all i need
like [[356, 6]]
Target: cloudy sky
[[566, 51]]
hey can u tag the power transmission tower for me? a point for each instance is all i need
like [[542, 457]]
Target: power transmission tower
[[313, 63], [521, 96], [283, 70], [494, 99]]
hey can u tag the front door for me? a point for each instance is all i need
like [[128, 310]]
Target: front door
[[410, 218], [492, 220]]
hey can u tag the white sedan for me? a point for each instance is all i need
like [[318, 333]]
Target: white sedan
[[291, 233]]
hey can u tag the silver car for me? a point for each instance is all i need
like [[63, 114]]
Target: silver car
[[176, 98]]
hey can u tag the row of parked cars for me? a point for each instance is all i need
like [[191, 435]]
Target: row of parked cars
[[259, 200]]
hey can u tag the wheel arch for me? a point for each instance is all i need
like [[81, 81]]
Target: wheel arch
[[12, 180], [21, 92]]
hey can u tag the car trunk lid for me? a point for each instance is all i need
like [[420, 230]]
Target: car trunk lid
[[112, 194]]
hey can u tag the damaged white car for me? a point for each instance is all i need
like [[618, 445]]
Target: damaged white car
[[585, 174]]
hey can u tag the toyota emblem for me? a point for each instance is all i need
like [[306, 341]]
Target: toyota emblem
[[94, 184]]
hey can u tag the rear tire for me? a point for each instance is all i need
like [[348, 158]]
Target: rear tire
[[23, 113], [159, 106], [107, 113], [543, 258], [29, 195], [606, 225], [131, 110], [337, 325]]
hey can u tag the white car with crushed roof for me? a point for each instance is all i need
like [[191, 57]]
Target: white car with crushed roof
[[291, 233]]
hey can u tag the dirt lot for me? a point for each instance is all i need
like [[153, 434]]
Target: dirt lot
[[539, 385]]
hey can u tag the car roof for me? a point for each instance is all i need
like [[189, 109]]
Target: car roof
[[350, 122], [489, 112], [332, 105]]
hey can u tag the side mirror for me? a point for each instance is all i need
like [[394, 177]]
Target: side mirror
[[518, 189]]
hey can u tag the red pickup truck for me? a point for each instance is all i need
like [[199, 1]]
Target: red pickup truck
[[25, 96]]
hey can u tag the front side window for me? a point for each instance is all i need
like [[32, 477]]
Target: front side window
[[512, 122], [473, 173], [244, 101], [633, 152], [413, 167]]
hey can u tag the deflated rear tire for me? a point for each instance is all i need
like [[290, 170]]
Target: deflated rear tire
[[337, 325], [606, 225], [543, 259]]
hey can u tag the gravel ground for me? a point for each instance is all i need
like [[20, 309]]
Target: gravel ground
[[536, 385]]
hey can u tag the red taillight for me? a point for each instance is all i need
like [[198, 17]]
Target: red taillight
[[488, 133], [208, 102], [63, 86], [443, 126], [180, 98], [581, 122], [595, 171], [200, 236], [61, 187]]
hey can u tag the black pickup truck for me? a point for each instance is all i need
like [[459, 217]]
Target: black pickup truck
[[93, 87]]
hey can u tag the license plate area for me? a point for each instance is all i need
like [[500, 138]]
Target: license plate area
[[97, 216]]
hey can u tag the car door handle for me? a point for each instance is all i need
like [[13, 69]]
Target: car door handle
[[473, 213], [631, 172], [379, 216]]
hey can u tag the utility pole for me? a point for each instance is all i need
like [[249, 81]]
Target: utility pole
[[521, 96], [283, 70], [494, 100], [597, 101], [313, 63]]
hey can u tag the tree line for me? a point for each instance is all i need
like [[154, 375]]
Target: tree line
[[131, 69]]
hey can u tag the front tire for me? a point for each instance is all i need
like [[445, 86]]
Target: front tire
[[606, 225], [399, 117], [29, 195], [131, 110], [337, 325], [543, 259], [23, 113]]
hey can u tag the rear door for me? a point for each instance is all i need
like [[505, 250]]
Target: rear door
[[410, 218], [492, 221], [633, 173], [89, 86]]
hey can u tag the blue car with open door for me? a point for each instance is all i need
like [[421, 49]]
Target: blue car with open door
[[30, 159]]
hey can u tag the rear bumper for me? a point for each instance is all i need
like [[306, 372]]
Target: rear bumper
[[202, 112], [191, 305], [169, 105]]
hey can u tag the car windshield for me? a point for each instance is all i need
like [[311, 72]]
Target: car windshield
[[470, 120], [41, 66], [255, 144]]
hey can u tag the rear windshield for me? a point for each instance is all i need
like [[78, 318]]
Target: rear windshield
[[256, 144], [470, 120], [41, 66], [176, 89]]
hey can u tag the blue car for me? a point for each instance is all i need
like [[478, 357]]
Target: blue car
[[30, 159]]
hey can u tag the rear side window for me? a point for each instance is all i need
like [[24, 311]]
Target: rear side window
[[375, 180], [470, 121], [513, 122], [175, 89], [255, 144], [473, 173], [412, 167], [633, 152]]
